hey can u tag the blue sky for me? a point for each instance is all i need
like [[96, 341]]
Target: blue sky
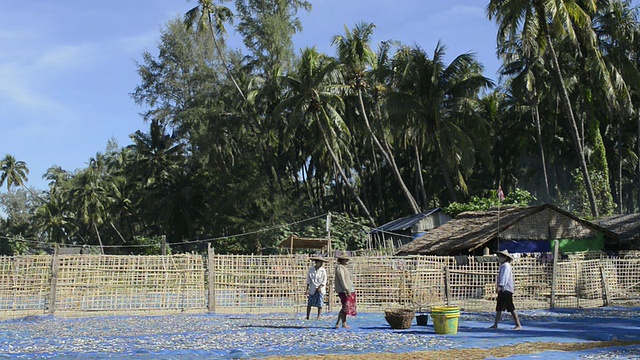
[[67, 67]]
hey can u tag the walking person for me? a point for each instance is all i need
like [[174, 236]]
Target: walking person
[[316, 285], [344, 288], [505, 287]]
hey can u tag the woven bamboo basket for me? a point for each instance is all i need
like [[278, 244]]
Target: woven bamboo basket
[[399, 318]]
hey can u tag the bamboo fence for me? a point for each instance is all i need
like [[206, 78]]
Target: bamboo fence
[[78, 285]]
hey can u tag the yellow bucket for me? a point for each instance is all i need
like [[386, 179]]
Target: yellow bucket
[[445, 319]]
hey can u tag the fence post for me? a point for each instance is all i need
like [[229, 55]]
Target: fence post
[[54, 280], [211, 277], [554, 274], [163, 244], [605, 285], [447, 290]]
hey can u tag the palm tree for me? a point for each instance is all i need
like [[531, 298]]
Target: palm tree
[[89, 199], [156, 154], [532, 22], [54, 218], [355, 53], [524, 72], [314, 102], [211, 17], [617, 28], [436, 102], [57, 176], [14, 173]]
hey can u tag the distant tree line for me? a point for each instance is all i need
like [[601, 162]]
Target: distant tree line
[[246, 139]]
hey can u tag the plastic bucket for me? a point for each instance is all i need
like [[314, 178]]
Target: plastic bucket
[[445, 319], [422, 319]]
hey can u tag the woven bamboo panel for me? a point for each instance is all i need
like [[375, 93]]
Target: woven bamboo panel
[[428, 282], [381, 282], [623, 278], [117, 283], [25, 283], [590, 286], [260, 283], [533, 283], [241, 284], [566, 295]]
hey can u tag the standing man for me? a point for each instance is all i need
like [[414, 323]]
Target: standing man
[[344, 288], [316, 285], [505, 287]]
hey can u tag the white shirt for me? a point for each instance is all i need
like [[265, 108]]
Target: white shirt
[[505, 278], [315, 278]]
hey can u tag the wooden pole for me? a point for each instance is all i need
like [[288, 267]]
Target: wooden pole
[[291, 244], [329, 255], [554, 274], [605, 285], [163, 244], [211, 278], [329, 234], [447, 290], [54, 280]]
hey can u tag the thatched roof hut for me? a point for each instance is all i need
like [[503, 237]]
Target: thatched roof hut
[[626, 227], [517, 229]]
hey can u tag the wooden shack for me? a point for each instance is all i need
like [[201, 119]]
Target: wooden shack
[[406, 229], [293, 243]]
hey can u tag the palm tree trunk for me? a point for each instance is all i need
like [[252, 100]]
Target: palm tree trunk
[[99, 239], [638, 167], [423, 191], [536, 118], [388, 155], [352, 192], [619, 167], [377, 175], [224, 60], [116, 229], [575, 133]]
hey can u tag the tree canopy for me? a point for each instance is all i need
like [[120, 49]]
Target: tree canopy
[[245, 147]]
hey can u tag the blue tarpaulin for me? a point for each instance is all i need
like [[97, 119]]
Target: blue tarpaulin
[[525, 246]]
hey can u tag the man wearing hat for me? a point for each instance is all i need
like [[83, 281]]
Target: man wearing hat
[[316, 285], [344, 288], [505, 287]]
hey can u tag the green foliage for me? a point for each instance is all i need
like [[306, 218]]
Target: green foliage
[[14, 245], [143, 245], [518, 197], [576, 199], [212, 165], [348, 233]]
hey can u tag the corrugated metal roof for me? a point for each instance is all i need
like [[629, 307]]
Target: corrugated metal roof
[[403, 223]]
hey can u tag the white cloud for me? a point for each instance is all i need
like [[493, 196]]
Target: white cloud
[[16, 88], [66, 57], [15, 35], [136, 44], [470, 11]]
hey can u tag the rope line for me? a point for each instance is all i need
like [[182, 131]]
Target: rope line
[[206, 240]]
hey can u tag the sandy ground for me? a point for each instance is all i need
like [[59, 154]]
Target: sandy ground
[[472, 354]]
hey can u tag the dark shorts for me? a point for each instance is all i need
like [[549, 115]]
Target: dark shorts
[[505, 301]]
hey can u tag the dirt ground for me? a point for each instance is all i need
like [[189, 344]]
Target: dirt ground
[[473, 353]]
